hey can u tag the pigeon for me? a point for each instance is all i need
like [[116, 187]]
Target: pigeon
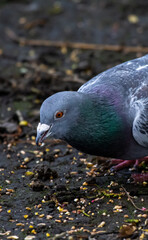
[[107, 116]]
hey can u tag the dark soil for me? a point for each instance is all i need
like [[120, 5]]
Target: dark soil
[[56, 192]]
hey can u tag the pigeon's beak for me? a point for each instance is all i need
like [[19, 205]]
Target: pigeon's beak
[[43, 131]]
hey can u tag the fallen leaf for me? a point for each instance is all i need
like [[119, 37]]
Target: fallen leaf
[[133, 18], [127, 230]]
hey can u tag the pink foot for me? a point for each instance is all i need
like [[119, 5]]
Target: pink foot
[[120, 164], [141, 177]]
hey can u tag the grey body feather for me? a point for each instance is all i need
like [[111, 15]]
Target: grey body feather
[[131, 80], [120, 93]]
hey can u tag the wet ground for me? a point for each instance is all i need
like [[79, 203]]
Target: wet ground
[[56, 192]]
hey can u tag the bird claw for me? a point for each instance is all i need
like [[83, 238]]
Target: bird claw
[[120, 164], [140, 177], [112, 169]]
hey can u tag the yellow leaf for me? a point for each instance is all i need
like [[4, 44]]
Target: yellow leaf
[[29, 173], [133, 18]]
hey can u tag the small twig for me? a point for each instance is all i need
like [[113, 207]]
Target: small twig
[[79, 45], [132, 202]]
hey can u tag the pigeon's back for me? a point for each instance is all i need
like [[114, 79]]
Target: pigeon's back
[[130, 77]]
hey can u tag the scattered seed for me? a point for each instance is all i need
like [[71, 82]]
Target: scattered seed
[[49, 217], [10, 190], [47, 234], [29, 173], [89, 164], [47, 149], [85, 184], [80, 154], [22, 152], [57, 220], [142, 236], [39, 205], [29, 237], [26, 159], [104, 214], [101, 224], [13, 237], [23, 123], [28, 208], [20, 224], [144, 183], [117, 207], [73, 173], [7, 181], [33, 231], [30, 226]]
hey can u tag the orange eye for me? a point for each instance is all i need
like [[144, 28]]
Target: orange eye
[[59, 114]]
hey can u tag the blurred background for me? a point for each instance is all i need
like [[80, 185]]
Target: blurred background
[[48, 46]]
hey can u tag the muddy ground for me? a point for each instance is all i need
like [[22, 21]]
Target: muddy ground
[[56, 192]]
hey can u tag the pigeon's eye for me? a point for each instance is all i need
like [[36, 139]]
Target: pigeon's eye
[[59, 114]]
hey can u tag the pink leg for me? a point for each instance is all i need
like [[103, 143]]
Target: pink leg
[[120, 164], [116, 161], [123, 164]]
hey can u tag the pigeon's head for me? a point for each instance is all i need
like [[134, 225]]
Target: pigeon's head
[[57, 114]]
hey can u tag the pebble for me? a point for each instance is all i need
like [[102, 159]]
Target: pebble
[[29, 237]]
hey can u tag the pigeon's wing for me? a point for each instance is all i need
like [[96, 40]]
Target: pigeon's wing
[[140, 123]]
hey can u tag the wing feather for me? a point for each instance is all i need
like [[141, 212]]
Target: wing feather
[[140, 124]]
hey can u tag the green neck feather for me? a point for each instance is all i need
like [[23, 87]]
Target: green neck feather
[[99, 130]]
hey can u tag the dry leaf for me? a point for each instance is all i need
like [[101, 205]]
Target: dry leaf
[[127, 230], [133, 18]]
